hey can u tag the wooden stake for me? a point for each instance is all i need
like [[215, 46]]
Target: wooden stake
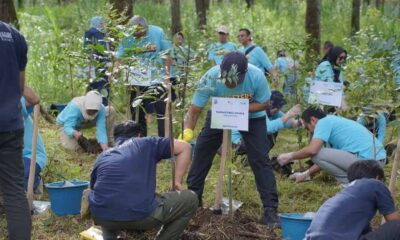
[[169, 132], [220, 183], [32, 168]]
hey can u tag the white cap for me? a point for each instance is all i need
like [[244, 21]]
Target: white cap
[[93, 100], [223, 29]]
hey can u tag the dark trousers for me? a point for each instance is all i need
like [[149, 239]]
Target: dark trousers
[[149, 106], [12, 185], [257, 145], [27, 166], [388, 231]]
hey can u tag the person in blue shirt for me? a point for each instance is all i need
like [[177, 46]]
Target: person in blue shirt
[[395, 65], [99, 62], [27, 102], [330, 70], [147, 43], [13, 61], [123, 186], [347, 215], [85, 112], [376, 124], [276, 120], [286, 67], [348, 142], [234, 78], [325, 50], [254, 53], [217, 51]]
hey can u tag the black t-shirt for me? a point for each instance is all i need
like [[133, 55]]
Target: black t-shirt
[[13, 59]]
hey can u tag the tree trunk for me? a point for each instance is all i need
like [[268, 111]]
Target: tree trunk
[[20, 4], [355, 17], [250, 3], [176, 24], [207, 2], [313, 30], [378, 4], [8, 13], [201, 13], [123, 8], [398, 8], [158, 1]]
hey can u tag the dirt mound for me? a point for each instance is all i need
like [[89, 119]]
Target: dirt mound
[[206, 225]]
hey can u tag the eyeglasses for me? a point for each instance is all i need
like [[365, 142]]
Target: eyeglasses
[[241, 35]]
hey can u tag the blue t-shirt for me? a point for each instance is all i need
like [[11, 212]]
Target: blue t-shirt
[[349, 136], [395, 65], [94, 36], [123, 180], [348, 213], [217, 51], [274, 124], [71, 119], [324, 72], [254, 87], [258, 58], [41, 158], [380, 126], [13, 59]]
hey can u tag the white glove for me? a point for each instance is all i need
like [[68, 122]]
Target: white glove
[[285, 158], [300, 176], [294, 111]]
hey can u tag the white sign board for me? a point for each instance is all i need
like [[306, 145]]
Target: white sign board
[[230, 113], [326, 93]]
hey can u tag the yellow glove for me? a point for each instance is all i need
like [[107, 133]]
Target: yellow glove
[[187, 135]]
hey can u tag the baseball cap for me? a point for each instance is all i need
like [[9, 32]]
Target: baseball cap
[[223, 29], [277, 99], [93, 100], [234, 67]]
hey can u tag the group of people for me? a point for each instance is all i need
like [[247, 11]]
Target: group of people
[[126, 168]]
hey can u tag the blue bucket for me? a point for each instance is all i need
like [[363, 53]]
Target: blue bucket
[[294, 225], [65, 198]]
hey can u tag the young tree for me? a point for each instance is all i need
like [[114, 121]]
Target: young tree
[[176, 24], [313, 30], [355, 17], [124, 7], [201, 10], [8, 13]]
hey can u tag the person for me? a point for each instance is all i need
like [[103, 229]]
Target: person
[[287, 67], [99, 62], [217, 51], [325, 49], [123, 186], [85, 112], [245, 81], [146, 43], [13, 60], [276, 120], [330, 70], [395, 66], [349, 142], [254, 53], [28, 100], [375, 123], [347, 215]]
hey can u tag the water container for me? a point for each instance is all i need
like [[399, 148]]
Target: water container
[[65, 196], [295, 225]]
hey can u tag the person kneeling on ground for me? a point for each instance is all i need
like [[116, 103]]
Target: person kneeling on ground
[[347, 215], [123, 184], [348, 140], [85, 112]]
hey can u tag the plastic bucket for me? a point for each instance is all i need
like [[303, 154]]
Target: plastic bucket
[[294, 225], [65, 196]]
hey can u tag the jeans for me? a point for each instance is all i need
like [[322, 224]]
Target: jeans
[[12, 185], [173, 213], [388, 231], [257, 145], [27, 166]]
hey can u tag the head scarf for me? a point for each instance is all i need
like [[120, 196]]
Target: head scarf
[[96, 22], [333, 55]]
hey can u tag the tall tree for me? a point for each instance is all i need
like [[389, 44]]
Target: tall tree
[[20, 4], [250, 3], [8, 13], [313, 29], [355, 17], [378, 4], [201, 10], [123, 7], [176, 24], [207, 2]]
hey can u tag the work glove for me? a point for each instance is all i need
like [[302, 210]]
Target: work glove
[[294, 111], [285, 158], [187, 135], [300, 176]]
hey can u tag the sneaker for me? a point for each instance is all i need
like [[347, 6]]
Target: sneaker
[[271, 218]]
